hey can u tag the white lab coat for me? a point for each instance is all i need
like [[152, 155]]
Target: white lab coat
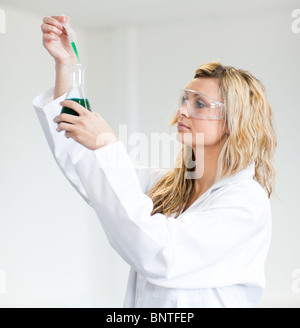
[[212, 255]]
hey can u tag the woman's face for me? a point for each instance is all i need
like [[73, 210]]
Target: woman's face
[[213, 131]]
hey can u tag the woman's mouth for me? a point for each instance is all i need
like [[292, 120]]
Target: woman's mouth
[[181, 126]]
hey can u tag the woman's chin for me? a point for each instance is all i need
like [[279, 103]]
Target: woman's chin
[[184, 138]]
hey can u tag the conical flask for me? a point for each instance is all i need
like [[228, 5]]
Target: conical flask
[[76, 90]]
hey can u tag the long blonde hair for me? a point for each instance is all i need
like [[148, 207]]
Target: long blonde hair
[[252, 139]]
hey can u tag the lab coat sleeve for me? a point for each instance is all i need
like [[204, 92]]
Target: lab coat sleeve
[[65, 151], [47, 109], [220, 244]]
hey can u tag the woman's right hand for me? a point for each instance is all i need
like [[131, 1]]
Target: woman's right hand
[[56, 40]]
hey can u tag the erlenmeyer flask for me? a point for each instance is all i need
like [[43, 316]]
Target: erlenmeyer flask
[[76, 90]]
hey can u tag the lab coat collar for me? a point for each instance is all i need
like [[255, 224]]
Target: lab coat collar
[[244, 174]]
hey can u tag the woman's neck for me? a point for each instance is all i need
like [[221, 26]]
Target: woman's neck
[[206, 167]]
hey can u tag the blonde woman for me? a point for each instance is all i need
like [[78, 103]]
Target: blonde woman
[[193, 236]]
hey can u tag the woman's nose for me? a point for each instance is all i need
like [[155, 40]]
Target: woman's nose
[[183, 110]]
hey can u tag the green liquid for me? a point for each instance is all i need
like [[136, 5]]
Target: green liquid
[[83, 102], [75, 50]]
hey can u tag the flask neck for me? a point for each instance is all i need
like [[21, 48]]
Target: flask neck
[[77, 78], [76, 87]]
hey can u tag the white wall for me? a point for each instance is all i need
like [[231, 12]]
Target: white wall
[[52, 248]]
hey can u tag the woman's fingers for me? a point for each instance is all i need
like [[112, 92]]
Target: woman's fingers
[[61, 18], [50, 37], [51, 29], [66, 127], [69, 122], [46, 28], [80, 110], [68, 118], [54, 24], [53, 21], [69, 135]]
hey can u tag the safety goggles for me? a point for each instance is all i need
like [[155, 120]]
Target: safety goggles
[[201, 106]]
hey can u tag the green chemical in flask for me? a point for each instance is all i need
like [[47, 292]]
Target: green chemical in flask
[[76, 90]]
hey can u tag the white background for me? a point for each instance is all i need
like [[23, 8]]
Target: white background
[[53, 252]]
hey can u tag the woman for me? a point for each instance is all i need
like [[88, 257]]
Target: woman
[[194, 236]]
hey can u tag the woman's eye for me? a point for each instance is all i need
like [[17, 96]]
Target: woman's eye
[[200, 104]]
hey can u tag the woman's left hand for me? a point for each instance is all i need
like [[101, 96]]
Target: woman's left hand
[[89, 128]]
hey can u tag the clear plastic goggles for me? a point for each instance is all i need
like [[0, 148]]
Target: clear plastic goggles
[[201, 106]]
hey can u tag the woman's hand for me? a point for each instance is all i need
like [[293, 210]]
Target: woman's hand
[[89, 129], [56, 40]]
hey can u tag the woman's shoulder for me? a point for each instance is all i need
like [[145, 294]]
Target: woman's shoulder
[[241, 185], [245, 195], [249, 187]]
